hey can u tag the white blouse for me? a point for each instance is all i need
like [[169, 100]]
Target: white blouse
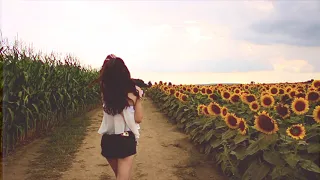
[[118, 124]]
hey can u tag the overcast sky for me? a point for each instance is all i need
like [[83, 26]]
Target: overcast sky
[[216, 41]]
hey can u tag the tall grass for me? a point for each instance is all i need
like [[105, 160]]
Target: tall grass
[[40, 91]]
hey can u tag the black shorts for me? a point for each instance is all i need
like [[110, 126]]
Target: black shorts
[[118, 146]]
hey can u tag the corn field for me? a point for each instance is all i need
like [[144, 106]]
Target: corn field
[[40, 91]]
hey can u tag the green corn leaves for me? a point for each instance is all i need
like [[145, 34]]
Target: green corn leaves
[[39, 91]]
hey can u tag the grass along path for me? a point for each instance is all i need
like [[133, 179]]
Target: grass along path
[[48, 157]]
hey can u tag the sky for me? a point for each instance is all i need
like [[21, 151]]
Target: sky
[[186, 42]]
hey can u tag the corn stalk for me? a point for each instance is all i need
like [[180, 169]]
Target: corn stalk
[[40, 91]]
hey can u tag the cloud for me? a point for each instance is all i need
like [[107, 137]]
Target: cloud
[[293, 66], [195, 34], [215, 66], [290, 22], [152, 36]]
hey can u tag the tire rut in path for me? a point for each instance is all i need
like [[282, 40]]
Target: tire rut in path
[[163, 153]]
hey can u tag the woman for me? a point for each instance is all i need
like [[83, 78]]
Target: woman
[[122, 112]]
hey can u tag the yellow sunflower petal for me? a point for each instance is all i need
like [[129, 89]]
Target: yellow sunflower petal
[[316, 114], [296, 131], [265, 123], [300, 106], [231, 121]]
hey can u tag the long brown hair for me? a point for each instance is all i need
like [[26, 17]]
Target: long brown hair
[[115, 84]]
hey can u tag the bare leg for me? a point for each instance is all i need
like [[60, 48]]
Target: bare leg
[[124, 168], [114, 165]]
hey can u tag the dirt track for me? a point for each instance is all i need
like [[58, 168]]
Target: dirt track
[[164, 153]]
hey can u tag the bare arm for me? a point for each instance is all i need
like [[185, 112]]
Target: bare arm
[[138, 113]]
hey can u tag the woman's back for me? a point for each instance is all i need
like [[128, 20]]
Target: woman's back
[[119, 123], [122, 110]]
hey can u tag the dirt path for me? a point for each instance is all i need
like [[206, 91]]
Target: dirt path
[[16, 166], [164, 153]]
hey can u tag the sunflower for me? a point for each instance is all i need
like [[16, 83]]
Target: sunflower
[[212, 97], [316, 114], [293, 93], [237, 90], [167, 92], [296, 131], [249, 98], [199, 108], [195, 90], [311, 89], [316, 83], [214, 109], [267, 100], [235, 98], [183, 97], [281, 91], [205, 110], [283, 110], [242, 124], [231, 121], [300, 106], [262, 89], [203, 90], [219, 90], [172, 91], [313, 96], [243, 94], [299, 88], [224, 111], [265, 124], [254, 106], [209, 91], [226, 95], [177, 94], [288, 89], [274, 90]]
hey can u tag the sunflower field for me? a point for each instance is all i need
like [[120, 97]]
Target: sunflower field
[[253, 131], [40, 91]]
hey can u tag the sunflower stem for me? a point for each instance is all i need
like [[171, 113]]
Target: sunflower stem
[[296, 147]]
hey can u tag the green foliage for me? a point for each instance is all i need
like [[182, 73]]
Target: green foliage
[[40, 91], [252, 156]]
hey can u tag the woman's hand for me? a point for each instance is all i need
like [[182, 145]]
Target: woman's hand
[[140, 91]]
